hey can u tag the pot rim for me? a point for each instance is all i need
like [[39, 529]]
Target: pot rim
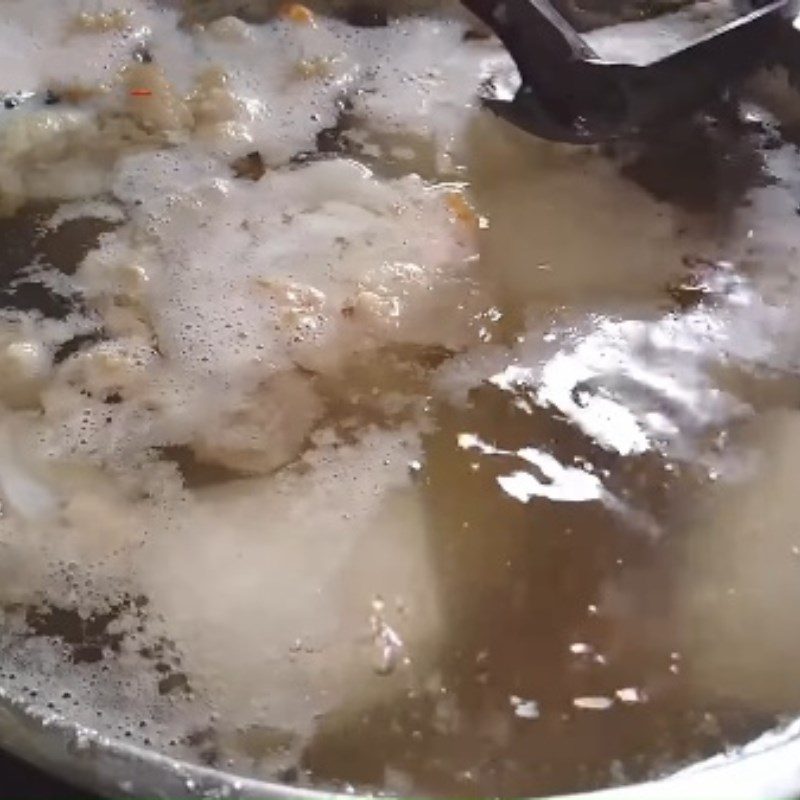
[[766, 768]]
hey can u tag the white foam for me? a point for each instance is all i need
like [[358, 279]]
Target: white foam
[[217, 298]]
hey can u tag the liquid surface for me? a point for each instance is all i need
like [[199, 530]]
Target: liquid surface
[[352, 439]]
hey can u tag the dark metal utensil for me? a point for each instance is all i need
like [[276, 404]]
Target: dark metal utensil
[[570, 94]]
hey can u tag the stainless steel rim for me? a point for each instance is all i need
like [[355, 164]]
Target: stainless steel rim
[[768, 768]]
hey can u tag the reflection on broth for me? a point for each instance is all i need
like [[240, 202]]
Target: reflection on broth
[[352, 439]]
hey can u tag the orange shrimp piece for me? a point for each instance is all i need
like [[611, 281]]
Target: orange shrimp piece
[[297, 13], [461, 210]]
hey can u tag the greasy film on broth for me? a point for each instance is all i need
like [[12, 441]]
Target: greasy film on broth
[[352, 439]]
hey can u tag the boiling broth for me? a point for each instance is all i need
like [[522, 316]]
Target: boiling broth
[[418, 456]]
